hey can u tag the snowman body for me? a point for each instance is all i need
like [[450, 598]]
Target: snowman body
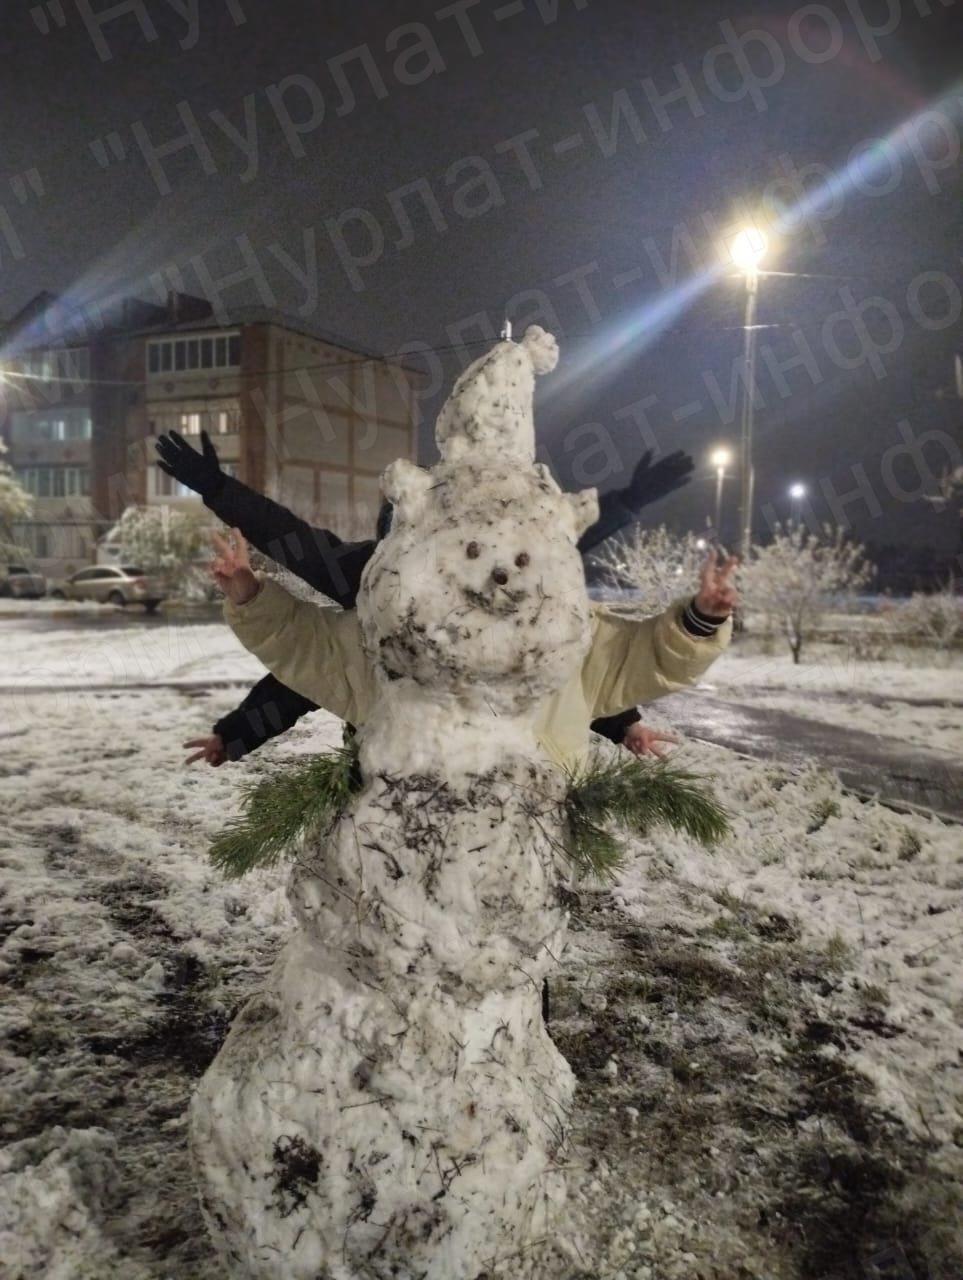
[[390, 1104]]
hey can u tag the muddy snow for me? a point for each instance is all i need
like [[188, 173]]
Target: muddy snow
[[768, 1037]]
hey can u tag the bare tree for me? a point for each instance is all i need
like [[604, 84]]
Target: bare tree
[[793, 578], [659, 565]]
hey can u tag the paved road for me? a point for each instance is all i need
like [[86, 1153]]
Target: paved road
[[878, 766]]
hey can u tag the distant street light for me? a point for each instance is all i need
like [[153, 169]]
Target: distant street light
[[747, 249], [797, 492], [720, 459]]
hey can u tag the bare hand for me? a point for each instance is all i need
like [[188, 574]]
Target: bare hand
[[232, 568], [642, 740], [211, 750], [717, 596]]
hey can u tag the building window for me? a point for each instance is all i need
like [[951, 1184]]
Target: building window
[[188, 355], [55, 482], [68, 364], [34, 537], [216, 418], [39, 426]]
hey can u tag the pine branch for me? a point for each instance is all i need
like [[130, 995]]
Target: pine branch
[[637, 797], [278, 811]]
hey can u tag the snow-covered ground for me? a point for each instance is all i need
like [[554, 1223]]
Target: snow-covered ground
[[881, 698], [768, 1037]]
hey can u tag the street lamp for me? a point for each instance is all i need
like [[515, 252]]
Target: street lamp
[[796, 494], [747, 249], [720, 459]]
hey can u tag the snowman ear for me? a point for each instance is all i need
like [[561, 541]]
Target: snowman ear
[[405, 485], [585, 509]]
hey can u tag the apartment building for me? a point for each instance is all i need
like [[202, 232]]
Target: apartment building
[[294, 413], [311, 423]]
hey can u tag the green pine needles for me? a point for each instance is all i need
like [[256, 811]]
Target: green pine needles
[[279, 810], [602, 794], [634, 796]]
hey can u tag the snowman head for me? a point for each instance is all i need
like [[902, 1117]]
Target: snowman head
[[479, 589]]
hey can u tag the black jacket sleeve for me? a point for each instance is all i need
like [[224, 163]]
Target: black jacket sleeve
[[614, 727], [269, 709], [317, 556]]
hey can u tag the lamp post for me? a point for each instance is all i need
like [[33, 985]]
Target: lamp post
[[796, 494], [747, 250], [720, 459]]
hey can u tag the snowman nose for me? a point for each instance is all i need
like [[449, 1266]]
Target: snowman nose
[[500, 576]]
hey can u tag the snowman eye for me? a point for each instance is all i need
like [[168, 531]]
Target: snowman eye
[[472, 551], [522, 559]]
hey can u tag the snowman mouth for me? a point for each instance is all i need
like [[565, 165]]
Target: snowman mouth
[[500, 601]]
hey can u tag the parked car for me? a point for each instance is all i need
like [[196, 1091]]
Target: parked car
[[110, 584], [17, 580]]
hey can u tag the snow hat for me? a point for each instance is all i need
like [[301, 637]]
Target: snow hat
[[489, 411]]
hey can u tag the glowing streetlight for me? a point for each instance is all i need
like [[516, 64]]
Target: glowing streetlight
[[747, 249], [720, 459], [797, 492]]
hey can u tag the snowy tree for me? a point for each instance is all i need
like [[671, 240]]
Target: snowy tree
[[658, 564], [793, 579], [167, 544], [15, 503], [937, 617]]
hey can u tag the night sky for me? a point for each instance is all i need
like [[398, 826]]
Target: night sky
[[818, 84]]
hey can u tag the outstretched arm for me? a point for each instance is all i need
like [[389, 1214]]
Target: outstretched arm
[[637, 661], [315, 652], [614, 727], [621, 507], [271, 708], [318, 556]]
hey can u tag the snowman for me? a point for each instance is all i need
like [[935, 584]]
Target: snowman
[[390, 1104]]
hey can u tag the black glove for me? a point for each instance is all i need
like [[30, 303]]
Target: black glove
[[619, 508], [649, 483], [198, 471]]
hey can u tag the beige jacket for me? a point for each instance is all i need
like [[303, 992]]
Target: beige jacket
[[318, 653]]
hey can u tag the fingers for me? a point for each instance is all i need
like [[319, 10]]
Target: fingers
[[198, 755], [222, 547], [208, 447], [709, 567], [168, 470], [240, 548], [727, 568]]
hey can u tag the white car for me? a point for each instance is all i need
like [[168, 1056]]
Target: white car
[[16, 580], [109, 584]]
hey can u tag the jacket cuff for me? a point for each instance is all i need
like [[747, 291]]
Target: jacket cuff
[[698, 623], [233, 613], [234, 732]]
